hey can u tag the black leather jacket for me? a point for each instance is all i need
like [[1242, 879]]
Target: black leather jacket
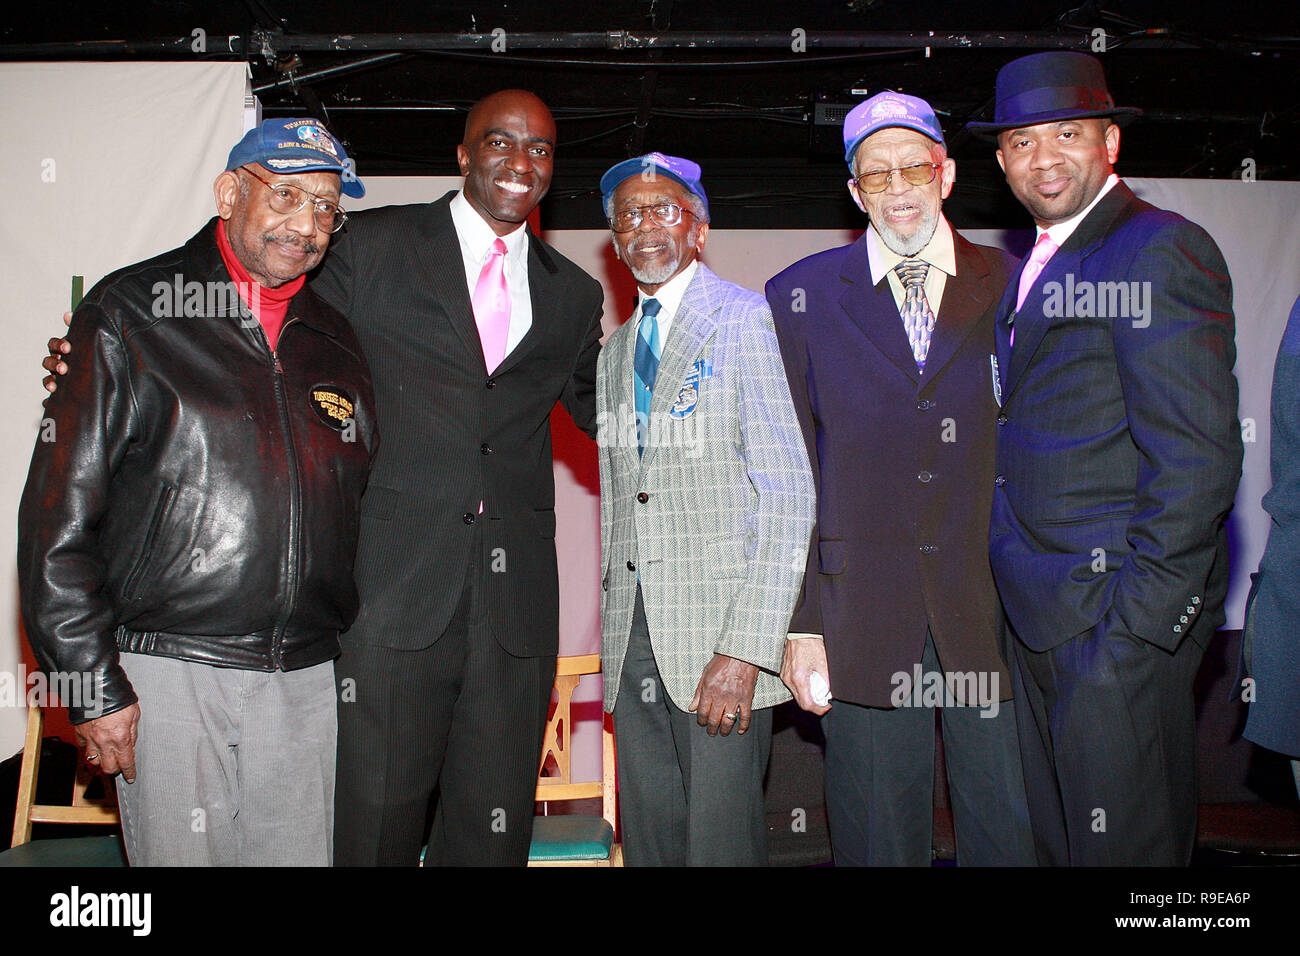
[[191, 494]]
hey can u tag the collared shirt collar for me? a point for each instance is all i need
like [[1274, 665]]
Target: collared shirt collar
[[940, 252], [1062, 231], [477, 236], [670, 298]]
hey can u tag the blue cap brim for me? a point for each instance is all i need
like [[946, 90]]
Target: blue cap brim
[[635, 167]]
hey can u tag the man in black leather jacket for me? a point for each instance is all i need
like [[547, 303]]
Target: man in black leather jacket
[[188, 528]]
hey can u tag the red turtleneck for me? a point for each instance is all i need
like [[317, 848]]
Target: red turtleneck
[[269, 305]]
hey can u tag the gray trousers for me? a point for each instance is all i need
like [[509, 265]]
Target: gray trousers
[[233, 767], [685, 798], [880, 783]]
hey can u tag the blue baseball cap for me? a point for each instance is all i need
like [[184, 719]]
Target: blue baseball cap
[[296, 146], [883, 111], [679, 170]]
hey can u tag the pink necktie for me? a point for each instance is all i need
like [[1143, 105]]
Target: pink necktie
[[1044, 249], [492, 306]]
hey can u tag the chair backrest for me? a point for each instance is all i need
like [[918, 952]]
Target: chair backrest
[[555, 771], [28, 811]]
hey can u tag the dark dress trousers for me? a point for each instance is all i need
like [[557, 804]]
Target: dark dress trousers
[[1116, 467], [898, 574], [446, 674]]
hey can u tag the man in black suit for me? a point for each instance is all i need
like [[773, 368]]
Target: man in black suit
[[1118, 455], [887, 346], [446, 675]]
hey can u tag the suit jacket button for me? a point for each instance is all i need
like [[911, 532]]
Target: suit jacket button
[[925, 405], [1178, 629], [469, 517], [490, 383], [1002, 419], [485, 448], [642, 497], [927, 549], [1182, 618], [924, 477], [631, 566], [1000, 480]]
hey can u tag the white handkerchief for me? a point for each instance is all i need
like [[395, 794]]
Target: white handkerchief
[[820, 690]]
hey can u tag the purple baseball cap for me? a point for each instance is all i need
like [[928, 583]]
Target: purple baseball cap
[[679, 170], [296, 145], [883, 111]]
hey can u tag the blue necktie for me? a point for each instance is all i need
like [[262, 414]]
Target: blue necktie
[[646, 364]]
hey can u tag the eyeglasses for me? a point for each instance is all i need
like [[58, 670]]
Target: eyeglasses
[[286, 199], [922, 174], [663, 213]]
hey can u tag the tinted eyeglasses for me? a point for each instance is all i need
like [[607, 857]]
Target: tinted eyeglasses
[[877, 181]]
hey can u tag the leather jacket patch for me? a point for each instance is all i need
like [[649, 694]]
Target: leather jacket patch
[[333, 404]]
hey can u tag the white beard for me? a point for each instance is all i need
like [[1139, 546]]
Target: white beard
[[909, 246], [661, 273]]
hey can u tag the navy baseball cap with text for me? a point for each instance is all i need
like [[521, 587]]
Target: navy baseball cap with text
[[297, 145]]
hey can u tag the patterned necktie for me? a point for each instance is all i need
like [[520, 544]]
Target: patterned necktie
[[646, 364], [491, 303], [1044, 249], [918, 318]]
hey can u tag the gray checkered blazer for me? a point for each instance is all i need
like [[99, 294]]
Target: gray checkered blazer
[[720, 540]]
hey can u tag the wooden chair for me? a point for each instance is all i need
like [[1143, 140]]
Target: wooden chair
[[574, 839], [74, 851]]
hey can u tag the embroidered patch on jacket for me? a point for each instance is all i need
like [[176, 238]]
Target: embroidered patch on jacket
[[688, 396], [333, 404]]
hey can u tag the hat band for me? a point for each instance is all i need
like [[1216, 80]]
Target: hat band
[[1052, 99]]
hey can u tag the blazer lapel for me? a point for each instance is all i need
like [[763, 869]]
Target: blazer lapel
[[1030, 323], [1002, 333], [692, 326], [871, 309], [446, 273], [1064, 268], [545, 287], [959, 309], [621, 349]]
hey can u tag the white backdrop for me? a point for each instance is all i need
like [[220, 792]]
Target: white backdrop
[[111, 163]]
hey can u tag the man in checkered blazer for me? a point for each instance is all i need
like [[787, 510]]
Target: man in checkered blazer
[[706, 506]]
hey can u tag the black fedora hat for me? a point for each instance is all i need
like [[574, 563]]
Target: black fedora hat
[[1049, 87]]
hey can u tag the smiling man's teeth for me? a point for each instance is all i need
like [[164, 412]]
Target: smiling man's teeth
[[513, 187]]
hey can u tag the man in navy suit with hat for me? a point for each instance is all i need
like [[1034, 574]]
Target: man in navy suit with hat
[[1118, 456]]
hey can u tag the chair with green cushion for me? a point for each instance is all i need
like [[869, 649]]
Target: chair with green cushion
[[74, 851], [574, 839]]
